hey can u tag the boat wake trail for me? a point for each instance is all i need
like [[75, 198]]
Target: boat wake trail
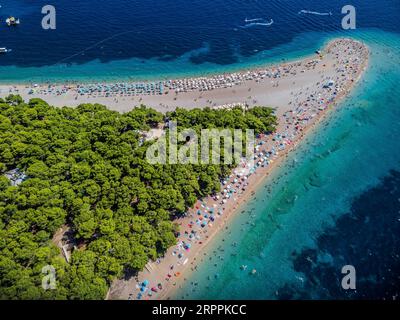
[[253, 20], [315, 13], [254, 24]]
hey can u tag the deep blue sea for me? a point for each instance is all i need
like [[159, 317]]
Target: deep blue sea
[[335, 201], [130, 39]]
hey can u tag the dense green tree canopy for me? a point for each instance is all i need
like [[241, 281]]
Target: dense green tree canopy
[[85, 168]]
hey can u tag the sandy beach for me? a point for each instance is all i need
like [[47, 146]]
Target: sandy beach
[[270, 86], [302, 92], [303, 96]]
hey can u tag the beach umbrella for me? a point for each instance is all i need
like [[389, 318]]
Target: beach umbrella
[[145, 283]]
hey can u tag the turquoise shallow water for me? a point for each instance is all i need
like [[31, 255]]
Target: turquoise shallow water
[[156, 69], [282, 231]]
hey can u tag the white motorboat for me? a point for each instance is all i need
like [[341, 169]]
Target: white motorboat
[[12, 21]]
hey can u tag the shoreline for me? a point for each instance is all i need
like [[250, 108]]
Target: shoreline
[[237, 67], [189, 92], [262, 178], [148, 79], [123, 289], [254, 189]]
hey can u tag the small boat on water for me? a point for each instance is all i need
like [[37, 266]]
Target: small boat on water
[[12, 21], [4, 50]]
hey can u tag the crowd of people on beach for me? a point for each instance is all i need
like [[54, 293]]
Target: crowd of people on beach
[[176, 86], [306, 106], [134, 89], [172, 86]]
